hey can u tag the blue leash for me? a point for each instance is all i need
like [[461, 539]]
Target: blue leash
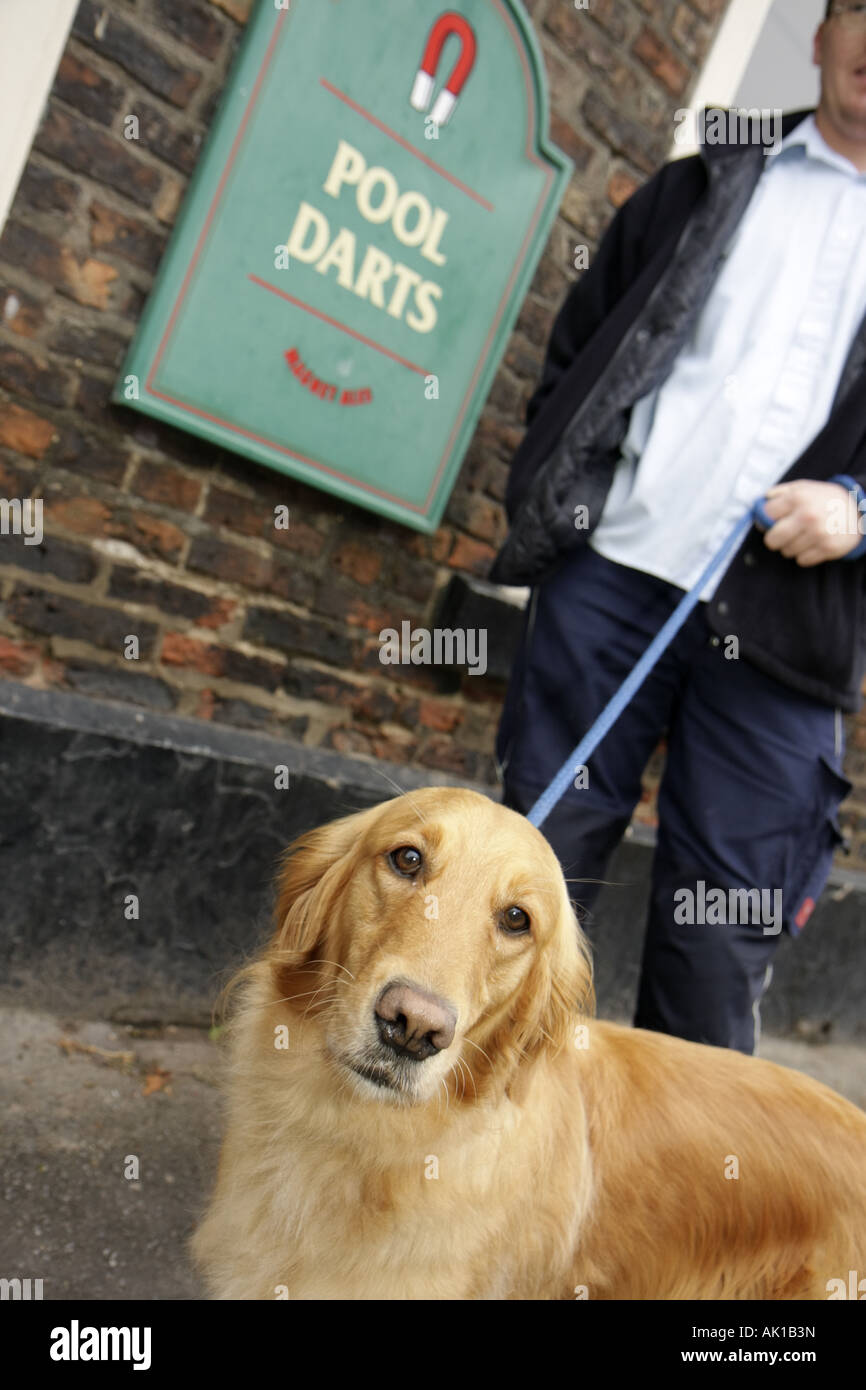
[[611, 712]]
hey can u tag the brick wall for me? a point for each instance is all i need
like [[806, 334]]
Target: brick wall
[[152, 532]]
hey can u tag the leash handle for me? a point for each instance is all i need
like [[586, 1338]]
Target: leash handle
[[632, 683]]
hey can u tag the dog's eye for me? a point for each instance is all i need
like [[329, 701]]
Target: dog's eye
[[406, 860], [514, 920]]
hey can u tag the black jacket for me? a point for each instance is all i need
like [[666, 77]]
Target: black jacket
[[616, 338]]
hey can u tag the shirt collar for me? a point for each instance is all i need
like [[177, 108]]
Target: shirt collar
[[806, 141]]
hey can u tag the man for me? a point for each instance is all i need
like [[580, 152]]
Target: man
[[714, 353]]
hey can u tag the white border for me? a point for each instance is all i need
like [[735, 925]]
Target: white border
[[33, 35], [730, 55]]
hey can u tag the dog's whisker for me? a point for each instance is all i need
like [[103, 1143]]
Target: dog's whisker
[[464, 1072], [467, 1070], [485, 1055], [323, 960]]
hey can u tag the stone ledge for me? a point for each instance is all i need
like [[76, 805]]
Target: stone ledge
[[100, 801]]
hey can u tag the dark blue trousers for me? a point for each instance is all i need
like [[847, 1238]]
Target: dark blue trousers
[[747, 805]]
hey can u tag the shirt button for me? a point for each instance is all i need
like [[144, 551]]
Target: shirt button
[[749, 559], [715, 641], [642, 337], [722, 610]]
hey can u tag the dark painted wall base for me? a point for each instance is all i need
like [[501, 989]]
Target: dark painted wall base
[[99, 801]]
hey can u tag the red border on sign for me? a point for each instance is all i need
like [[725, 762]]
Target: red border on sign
[[220, 189]]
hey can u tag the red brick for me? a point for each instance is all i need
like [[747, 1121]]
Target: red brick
[[620, 187], [191, 23], [221, 611], [564, 135], [17, 658], [373, 704], [53, 556], [348, 741], [14, 482], [151, 535], [433, 714], [232, 563], [292, 634], [86, 281], [479, 516], [89, 281], [92, 517], [336, 599], [21, 430], [89, 343], [470, 555], [88, 91], [103, 156], [33, 251], [125, 236], [688, 31], [436, 547], [442, 752], [57, 615], [174, 141], [20, 312], [661, 61], [358, 562], [300, 538], [46, 191], [287, 580], [86, 516], [178, 650], [238, 513], [393, 750], [625, 135], [159, 482], [132, 585], [27, 375], [108, 34], [90, 454], [93, 396]]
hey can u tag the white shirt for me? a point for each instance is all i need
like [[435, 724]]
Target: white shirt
[[756, 382]]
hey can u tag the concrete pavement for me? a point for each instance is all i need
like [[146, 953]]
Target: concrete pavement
[[81, 1100]]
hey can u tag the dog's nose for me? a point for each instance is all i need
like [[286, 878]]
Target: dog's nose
[[414, 1023]]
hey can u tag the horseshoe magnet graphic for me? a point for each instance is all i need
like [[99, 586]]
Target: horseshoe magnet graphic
[[422, 89]]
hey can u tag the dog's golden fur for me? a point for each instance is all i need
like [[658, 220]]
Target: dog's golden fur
[[527, 1160]]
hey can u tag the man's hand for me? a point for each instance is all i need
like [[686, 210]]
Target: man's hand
[[815, 522]]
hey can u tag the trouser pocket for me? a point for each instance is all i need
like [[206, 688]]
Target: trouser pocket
[[825, 838]]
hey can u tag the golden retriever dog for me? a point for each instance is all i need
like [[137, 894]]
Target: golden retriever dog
[[421, 1107]]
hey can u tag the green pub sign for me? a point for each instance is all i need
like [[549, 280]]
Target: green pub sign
[[358, 238]]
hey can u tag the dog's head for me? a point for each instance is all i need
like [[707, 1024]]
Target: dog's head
[[430, 944]]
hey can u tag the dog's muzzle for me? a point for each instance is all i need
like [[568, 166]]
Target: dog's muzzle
[[413, 1024]]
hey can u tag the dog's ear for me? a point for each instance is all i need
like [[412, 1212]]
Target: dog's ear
[[570, 994], [311, 873], [560, 990]]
